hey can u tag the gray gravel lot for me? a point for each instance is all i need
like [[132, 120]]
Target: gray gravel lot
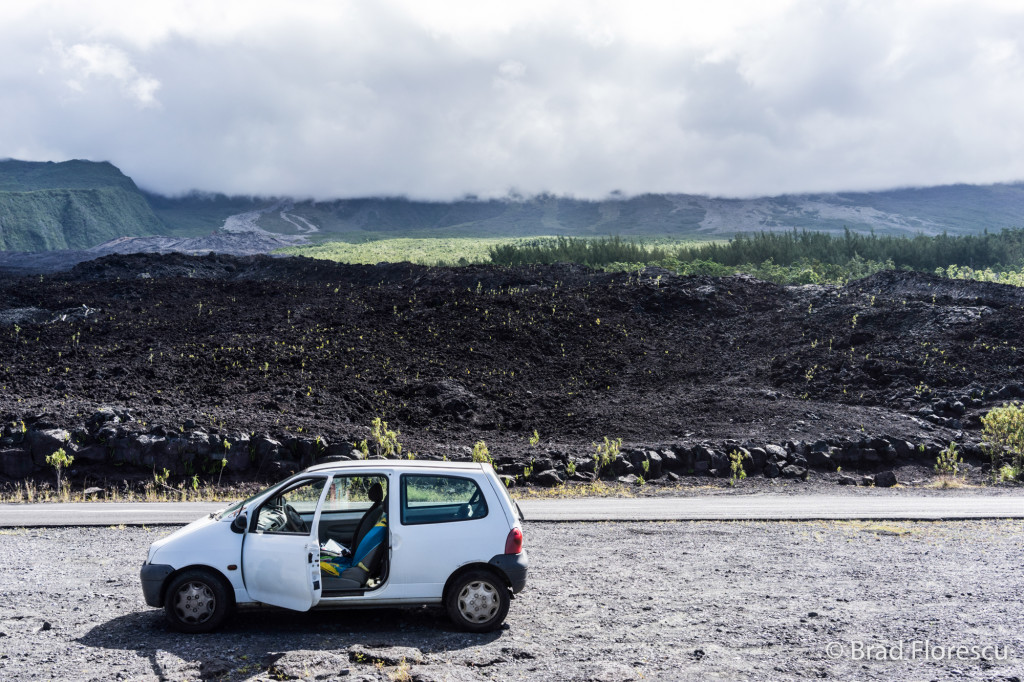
[[605, 601]]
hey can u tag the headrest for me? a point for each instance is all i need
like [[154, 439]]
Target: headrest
[[376, 493]]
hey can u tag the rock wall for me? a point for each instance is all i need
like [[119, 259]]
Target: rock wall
[[112, 443]]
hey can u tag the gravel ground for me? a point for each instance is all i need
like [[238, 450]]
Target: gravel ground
[[605, 601]]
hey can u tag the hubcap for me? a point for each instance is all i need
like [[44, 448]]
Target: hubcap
[[194, 602], [478, 601]]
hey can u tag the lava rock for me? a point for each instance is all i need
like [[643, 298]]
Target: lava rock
[[655, 466], [265, 448], [821, 460], [305, 665], [669, 460], [776, 453], [214, 667], [548, 479], [794, 472], [758, 458], [92, 454], [100, 417], [384, 655], [719, 461], [542, 465], [621, 466], [885, 479], [44, 443], [15, 463]]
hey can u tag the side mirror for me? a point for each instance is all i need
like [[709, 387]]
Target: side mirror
[[240, 523]]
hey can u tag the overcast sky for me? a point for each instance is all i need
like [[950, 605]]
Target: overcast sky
[[442, 99]]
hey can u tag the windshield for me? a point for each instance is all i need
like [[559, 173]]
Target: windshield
[[233, 509]]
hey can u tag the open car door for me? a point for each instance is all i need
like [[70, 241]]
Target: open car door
[[281, 549]]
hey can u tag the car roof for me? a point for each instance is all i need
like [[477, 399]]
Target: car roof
[[405, 464]]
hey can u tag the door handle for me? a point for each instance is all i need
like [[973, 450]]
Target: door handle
[[309, 559]]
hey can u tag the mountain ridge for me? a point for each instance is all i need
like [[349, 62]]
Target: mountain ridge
[[83, 204]]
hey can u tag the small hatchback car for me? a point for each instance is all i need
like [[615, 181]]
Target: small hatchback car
[[350, 534]]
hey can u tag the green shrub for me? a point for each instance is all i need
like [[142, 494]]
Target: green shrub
[[59, 460], [384, 439], [948, 462], [1007, 472], [736, 467], [606, 453], [481, 453], [1003, 430]]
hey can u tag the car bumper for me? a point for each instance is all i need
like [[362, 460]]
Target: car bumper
[[514, 566], [153, 577]]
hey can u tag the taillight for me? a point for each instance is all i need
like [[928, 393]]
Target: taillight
[[514, 542]]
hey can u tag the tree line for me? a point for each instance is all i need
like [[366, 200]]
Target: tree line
[[921, 252], [593, 252], [797, 257]]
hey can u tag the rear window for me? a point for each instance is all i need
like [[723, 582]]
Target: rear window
[[440, 499]]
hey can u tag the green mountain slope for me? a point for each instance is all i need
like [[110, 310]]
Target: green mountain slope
[[69, 205]]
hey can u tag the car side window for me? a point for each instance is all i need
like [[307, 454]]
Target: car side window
[[292, 510], [352, 493], [440, 499]]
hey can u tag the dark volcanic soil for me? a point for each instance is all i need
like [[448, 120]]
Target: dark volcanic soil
[[450, 356]]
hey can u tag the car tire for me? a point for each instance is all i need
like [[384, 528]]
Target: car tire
[[478, 601], [197, 600]]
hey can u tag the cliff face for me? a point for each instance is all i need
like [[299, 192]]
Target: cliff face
[[69, 205]]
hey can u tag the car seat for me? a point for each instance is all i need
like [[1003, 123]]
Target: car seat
[[368, 548], [352, 572], [371, 516]]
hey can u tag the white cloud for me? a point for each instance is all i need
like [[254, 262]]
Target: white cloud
[[84, 61], [512, 70], [327, 98]]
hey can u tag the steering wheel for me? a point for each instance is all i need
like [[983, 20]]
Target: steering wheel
[[295, 522]]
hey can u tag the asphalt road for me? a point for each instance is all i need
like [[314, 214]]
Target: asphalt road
[[716, 508]]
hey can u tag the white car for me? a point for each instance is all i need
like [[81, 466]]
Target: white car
[[353, 533]]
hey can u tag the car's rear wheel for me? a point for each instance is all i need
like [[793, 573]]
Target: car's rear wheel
[[197, 601], [478, 601]]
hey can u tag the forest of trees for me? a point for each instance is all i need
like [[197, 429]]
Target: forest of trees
[[798, 257], [593, 252], [998, 249]]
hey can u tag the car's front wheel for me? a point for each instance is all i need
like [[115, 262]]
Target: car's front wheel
[[197, 601], [478, 601]]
